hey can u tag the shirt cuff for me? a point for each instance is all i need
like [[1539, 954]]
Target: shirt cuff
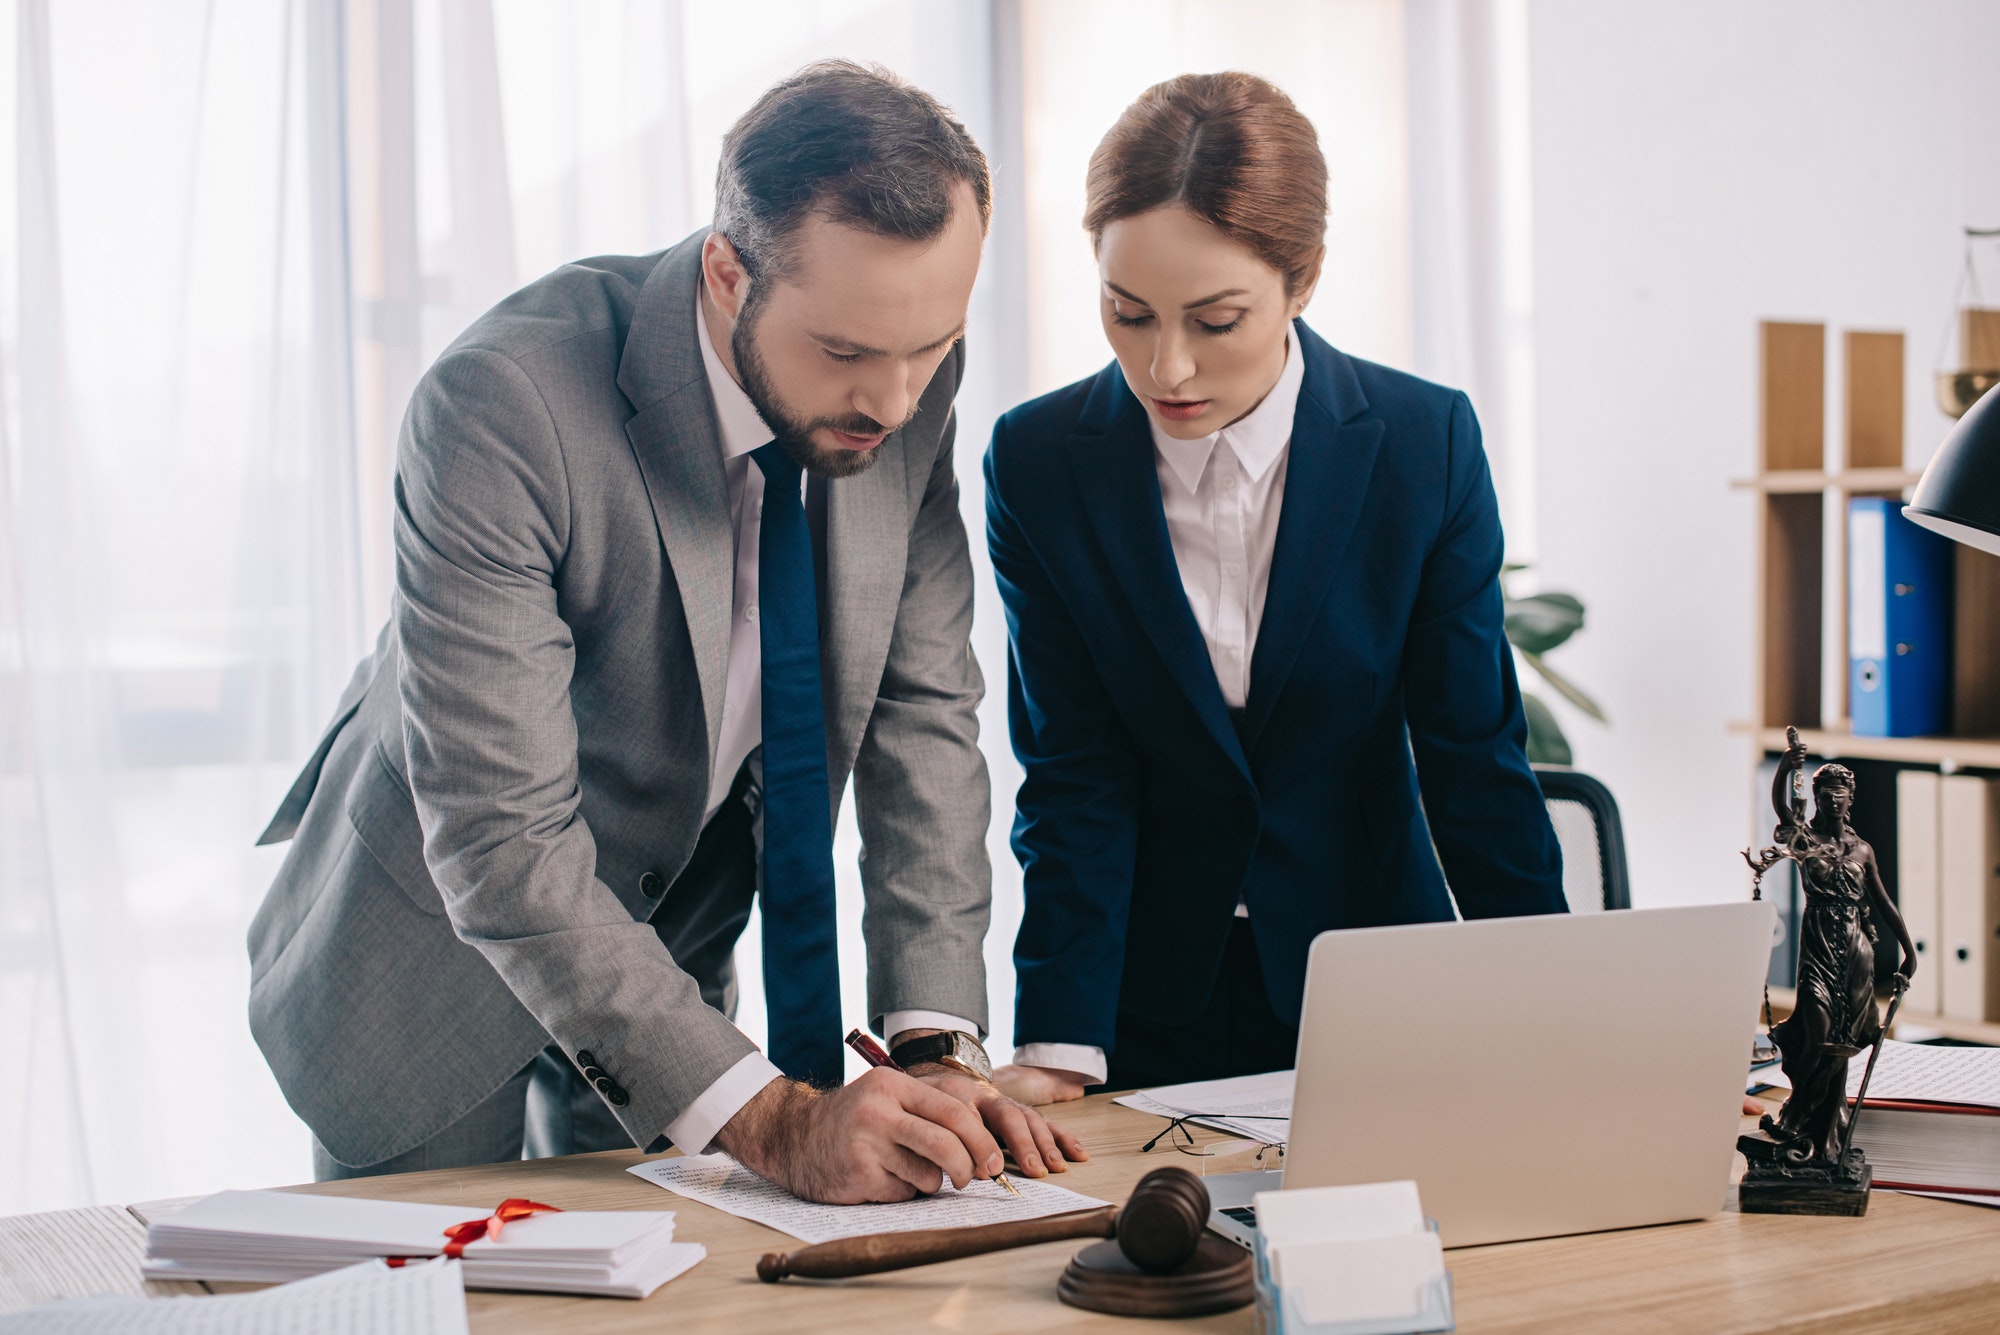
[[895, 1022], [695, 1129], [1079, 1057]]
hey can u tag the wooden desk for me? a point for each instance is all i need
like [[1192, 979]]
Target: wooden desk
[[1911, 1265]]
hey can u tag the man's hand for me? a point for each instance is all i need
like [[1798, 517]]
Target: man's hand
[[1037, 1145], [1037, 1085], [883, 1136]]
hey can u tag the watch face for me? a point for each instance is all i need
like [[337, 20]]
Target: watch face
[[966, 1048]]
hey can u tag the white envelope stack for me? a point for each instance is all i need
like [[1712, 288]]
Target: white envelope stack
[[271, 1237], [1360, 1260]]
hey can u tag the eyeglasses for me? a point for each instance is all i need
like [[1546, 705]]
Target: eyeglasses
[[1181, 1139]]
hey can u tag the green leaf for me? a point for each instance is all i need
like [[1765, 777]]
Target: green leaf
[[1538, 624], [1568, 689], [1546, 743]]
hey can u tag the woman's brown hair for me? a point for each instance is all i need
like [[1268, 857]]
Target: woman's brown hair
[[1231, 149]]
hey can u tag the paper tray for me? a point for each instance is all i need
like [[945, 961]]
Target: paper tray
[[1276, 1316]]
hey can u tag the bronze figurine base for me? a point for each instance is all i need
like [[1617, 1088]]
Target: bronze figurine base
[[1774, 1186], [1217, 1278]]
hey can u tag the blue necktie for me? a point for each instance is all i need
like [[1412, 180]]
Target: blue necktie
[[801, 952]]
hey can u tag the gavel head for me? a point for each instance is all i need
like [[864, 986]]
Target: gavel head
[[1161, 1225]]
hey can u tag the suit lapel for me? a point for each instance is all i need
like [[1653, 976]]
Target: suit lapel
[[1326, 485], [1120, 487], [673, 435]]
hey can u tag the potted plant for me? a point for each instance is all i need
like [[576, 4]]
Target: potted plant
[[1536, 625]]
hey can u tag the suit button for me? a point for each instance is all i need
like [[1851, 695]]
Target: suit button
[[584, 1058], [618, 1098], [651, 885], [591, 1073]]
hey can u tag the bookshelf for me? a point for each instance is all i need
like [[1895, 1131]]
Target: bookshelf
[[1801, 502], [1800, 492]]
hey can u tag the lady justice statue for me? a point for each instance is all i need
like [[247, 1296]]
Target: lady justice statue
[[1805, 1163]]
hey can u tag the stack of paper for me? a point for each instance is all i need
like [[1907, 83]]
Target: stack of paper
[[1360, 1258], [422, 1299], [268, 1237]]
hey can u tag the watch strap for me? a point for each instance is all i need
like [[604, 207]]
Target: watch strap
[[929, 1048]]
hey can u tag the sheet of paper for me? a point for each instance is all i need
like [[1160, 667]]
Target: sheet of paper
[[282, 1222], [1924, 1074], [1256, 1106], [1362, 1279], [1963, 1198], [423, 1299], [1766, 1077], [718, 1180], [274, 1217], [1340, 1214]]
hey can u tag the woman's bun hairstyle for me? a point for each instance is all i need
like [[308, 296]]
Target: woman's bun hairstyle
[[1231, 149]]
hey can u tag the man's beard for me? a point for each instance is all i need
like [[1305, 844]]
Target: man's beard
[[793, 432]]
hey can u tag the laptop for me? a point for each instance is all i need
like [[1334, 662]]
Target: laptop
[[1535, 1076]]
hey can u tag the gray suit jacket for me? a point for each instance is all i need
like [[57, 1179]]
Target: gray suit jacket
[[533, 733]]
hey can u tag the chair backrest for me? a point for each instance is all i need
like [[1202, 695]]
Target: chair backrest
[[1593, 841]]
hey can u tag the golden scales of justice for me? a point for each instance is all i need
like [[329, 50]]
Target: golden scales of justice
[[1978, 337]]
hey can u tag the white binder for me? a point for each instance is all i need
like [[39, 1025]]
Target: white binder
[[1917, 885], [1969, 881]]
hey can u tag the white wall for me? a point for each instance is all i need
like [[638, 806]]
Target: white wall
[[1698, 167]]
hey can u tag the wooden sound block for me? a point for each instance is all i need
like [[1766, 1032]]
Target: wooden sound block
[[1217, 1278]]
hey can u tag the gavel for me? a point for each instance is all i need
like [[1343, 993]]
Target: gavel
[[1157, 1230]]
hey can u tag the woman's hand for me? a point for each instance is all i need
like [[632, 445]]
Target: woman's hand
[[1036, 1085]]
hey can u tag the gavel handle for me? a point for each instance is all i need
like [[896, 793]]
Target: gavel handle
[[877, 1252]]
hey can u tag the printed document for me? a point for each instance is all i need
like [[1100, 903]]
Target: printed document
[[1258, 1107], [718, 1180], [423, 1299], [1920, 1073]]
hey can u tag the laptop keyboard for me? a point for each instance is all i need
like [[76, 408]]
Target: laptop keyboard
[[1245, 1215]]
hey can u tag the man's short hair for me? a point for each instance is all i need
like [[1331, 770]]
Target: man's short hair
[[850, 143]]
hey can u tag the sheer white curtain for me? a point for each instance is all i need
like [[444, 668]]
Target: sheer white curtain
[[179, 584], [1472, 226]]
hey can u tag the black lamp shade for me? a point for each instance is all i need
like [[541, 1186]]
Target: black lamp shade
[[1959, 495]]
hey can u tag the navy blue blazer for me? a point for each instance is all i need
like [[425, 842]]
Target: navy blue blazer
[[1380, 676]]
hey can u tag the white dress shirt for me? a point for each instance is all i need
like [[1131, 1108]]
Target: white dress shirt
[[1222, 494], [742, 430]]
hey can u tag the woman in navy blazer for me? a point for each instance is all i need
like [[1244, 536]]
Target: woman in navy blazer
[[1257, 675]]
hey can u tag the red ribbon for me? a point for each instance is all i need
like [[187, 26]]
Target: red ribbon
[[472, 1230]]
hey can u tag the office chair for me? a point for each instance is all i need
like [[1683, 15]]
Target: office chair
[[1593, 841]]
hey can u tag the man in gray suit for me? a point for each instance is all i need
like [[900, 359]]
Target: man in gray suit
[[526, 846]]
